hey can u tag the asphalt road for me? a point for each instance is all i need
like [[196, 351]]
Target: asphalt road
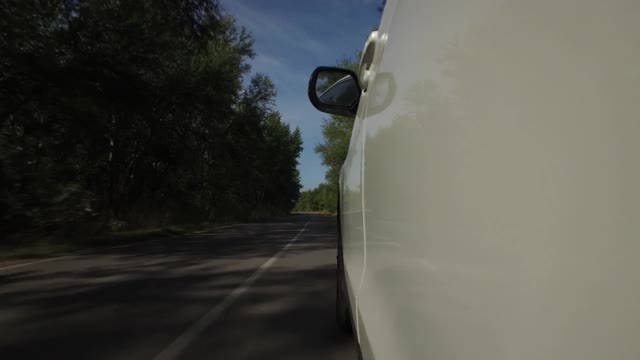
[[248, 291]]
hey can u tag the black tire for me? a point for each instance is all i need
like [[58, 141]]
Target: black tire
[[343, 311]]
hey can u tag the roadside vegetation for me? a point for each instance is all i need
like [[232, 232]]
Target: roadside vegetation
[[119, 115], [321, 199]]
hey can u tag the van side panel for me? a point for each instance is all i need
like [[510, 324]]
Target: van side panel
[[351, 215], [502, 173]]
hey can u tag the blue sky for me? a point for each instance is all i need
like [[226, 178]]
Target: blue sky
[[292, 37]]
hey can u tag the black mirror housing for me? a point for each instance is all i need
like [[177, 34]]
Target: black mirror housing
[[334, 91]]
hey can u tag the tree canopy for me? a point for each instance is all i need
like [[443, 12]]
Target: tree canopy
[[137, 111]]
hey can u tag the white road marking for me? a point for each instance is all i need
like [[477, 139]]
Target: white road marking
[[178, 346], [29, 263]]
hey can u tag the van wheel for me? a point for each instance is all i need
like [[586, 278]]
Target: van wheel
[[343, 313]]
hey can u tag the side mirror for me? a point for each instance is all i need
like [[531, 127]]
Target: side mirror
[[334, 91]]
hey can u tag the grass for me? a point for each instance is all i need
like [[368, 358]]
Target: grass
[[47, 246], [38, 249], [30, 246]]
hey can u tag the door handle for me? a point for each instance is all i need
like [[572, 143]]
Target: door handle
[[370, 56], [366, 60]]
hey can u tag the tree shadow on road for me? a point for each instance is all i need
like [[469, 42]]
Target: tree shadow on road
[[131, 302]]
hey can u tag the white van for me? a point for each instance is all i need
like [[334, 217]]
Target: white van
[[490, 200]]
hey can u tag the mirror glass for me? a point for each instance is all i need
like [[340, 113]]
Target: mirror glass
[[337, 88]]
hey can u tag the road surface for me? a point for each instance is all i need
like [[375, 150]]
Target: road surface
[[248, 291]]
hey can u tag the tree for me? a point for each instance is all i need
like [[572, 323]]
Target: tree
[[135, 111], [321, 199]]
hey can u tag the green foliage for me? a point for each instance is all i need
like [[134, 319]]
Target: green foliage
[[321, 199], [333, 151], [135, 110]]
